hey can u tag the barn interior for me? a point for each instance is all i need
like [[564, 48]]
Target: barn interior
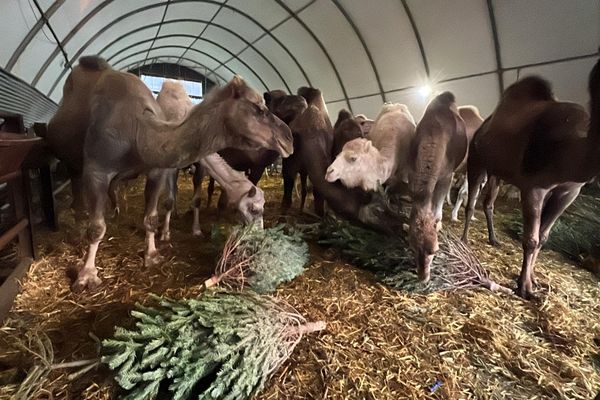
[[479, 333]]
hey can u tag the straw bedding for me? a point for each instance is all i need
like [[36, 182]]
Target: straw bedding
[[379, 343]]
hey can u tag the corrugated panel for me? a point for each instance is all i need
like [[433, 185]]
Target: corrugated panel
[[19, 97]]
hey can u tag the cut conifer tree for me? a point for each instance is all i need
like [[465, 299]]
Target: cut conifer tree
[[224, 345], [260, 259]]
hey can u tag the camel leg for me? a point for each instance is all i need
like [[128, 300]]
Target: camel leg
[[558, 202], [197, 180], [96, 189], [492, 187], [289, 176], [113, 194], [171, 189], [154, 185], [319, 202], [303, 177], [439, 194], [475, 178], [462, 193], [256, 174], [210, 191], [222, 203], [532, 202], [78, 203], [448, 199]]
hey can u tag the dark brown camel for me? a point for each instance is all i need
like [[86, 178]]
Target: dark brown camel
[[345, 129], [437, 149], [129, 134], [544, 148], [295, 165]]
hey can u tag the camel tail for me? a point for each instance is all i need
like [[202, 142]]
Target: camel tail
[[594, 88], [94, 63]]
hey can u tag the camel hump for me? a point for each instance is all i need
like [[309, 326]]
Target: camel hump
[[309, 93], [445, 99], [343, 115], [530, 88], [94, 63], [469, 112], [558, 123]]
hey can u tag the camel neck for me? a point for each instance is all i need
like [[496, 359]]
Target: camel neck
[[177, 146], [229, 179]]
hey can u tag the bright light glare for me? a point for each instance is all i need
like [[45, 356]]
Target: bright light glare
[[425, 90]]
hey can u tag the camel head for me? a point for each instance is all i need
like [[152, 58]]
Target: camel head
[[423, 241], [273, 97], [356, 165], [365, 123], [345, 129], [289, 107], [251, 206], [248, 122]]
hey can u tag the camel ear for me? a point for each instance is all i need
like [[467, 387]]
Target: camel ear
[[267, 97], [367, 147], [252, 192], [237, 87], [405, 227]]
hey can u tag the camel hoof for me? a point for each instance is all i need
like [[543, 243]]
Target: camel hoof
[[165, 236], [495, 243], [454, 219], [86, 281], [197, 232], [154, 259]]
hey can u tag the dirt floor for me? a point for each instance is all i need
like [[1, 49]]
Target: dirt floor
[[379, 343]]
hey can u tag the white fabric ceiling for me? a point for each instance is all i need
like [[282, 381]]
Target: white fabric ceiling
[[359, 53]]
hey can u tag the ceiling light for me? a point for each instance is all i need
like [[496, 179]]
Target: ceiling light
[[425, 90]]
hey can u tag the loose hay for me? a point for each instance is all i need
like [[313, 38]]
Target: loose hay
[[379, 343]]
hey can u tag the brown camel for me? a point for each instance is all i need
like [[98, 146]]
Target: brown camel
[[544, 148], [345, 129], [439, 146], [294, 165], [66, 129], [128, 135]]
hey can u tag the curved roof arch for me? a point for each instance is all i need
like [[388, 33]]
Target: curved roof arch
[[360, 54]]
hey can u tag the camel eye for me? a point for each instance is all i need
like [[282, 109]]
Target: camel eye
[[259, 110], [352, 159]]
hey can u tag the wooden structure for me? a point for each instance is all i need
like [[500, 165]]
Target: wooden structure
[[16, 221]]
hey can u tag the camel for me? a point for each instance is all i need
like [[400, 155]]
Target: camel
[[312, 149], [241, 192], [546, 148], [287, 108], [369, 163], [66, 130], [128, 135], [439, 146], [345, 129], [473, 120], [252, 163], [365, 123], [248, 199]]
